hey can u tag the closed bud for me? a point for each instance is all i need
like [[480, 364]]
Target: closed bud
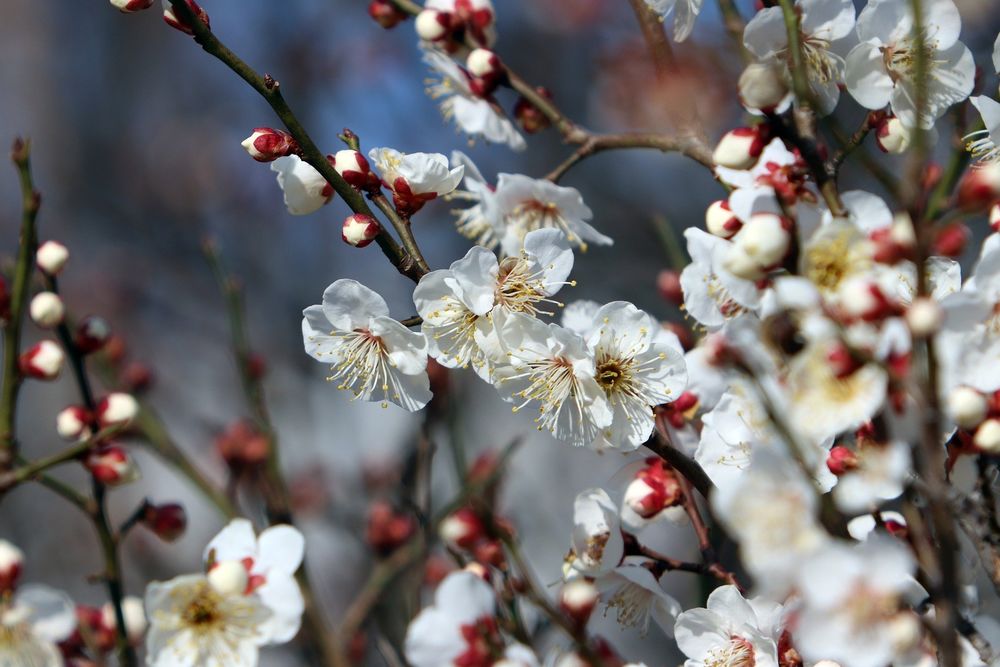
[[740, 264], [51, 257], [229, 577], [654, 489], [111, 465], [174, 21], [462, 529], [740, 148], [266, 144], [987, 436], [360, 230], [167, 521], [529, 117], [924, 317], [995, 217], [129, 6], [241, 446], [117, 409], [73, 423], [137, 377], [578, 598], [892, 136], [387, 529], [47, 310], [42, 361], [354, 168], [979, 188], [92, 334], [11, 563], [668, 283], [841, 460], [134, 612], [862, 299], [483, 63], [967, 407], [386, 14], [950, 240], [762, 87], [765, 239], [720, 220], [432, 25]]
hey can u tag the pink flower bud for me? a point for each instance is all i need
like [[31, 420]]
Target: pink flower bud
[[266, 144], [862, 299], [979, 189], [987, 437], [892, 136], [167, 521], [950, 240], [529, 117], [761, 86], [47, 310], [175, 22], [841, 460], [117, 409], [577, 599], [483, 63], [386, 14], [354, 168], [137, 377], [387, 529], [241, 446], [740, 148], [129, 6], [432, 25], [4, 300], [11, 562], [92, 334], [359, 230], [73, 423], [720, 221], [654, 489], [111, 465], [967, 407], [462, 529], [668, 283], [43, 361], [51, 257], [924, 317]]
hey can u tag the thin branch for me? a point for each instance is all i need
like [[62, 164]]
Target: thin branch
[[686, 144]]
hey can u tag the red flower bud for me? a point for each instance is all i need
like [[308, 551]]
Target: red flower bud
[[43, 361], [175, 21], [266, 144], [386, 14], [387, 529], [167, 521], [92, 334]]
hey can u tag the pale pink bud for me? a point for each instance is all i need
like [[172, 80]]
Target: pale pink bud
[[47, 310], [359, 230], [740, 264], [111, 465], [979, 189], [117, 409], [128, 6], [176, 22], [987, 437], [354, 168], [578, 599], [229, 577], [967, 407], [892, 136], [841, 460], [720, 221], [266, 144], [762, 87], [739, 148], [924, 317], [51, 257], [433, 25], [461, 529], [92, 334], [73, 423], [43, 361], [11, 562], [483, 63]]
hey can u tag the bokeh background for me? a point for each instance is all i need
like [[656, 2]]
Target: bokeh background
[[136, 149]]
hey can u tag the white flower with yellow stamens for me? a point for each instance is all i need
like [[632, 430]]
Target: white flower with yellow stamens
[[598, 545], [728, 632], [370, 354], [712, 295], [480, 221], [32, 622], [637, 597], [984, 145]]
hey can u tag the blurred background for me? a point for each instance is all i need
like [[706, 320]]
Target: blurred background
[[136, 148]]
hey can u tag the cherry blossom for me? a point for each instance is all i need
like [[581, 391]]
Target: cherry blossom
[[728, 632], [32, 623], [415, 178]]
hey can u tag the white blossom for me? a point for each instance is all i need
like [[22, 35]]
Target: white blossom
[[685, 12], [32, 623], [305, 189], [727, 632]]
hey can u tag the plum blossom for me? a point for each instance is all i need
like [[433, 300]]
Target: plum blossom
[[984, 145], [877, 476], [476, 115], [637, 597], [881, 69], [461, 628], [305, 189], [370, 354], [712, 295], [685, 13], [456, 303], [598, 546], [728, 632], [415, 178], [480, 221], [825, 25], [32, 623]]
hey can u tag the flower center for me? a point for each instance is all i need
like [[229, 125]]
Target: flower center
[[816, 52], [830, 260], [364, 365], [737, 653], [533, 214], [631, 603], [201, 611], [520, 289], [901, 59]]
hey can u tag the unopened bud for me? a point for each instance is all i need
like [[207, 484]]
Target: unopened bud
[[175, 21], [967, 407], [137, 377], [979, 188], [47, 310], [360, 230], [764, 239], [229, 577], [720, 220], [354, 168], [987, 436], [892, 136], [740, 148], [167, 521], [241, 445], [117, 409], [51, 257], [762, 87], [386, 14], [134, 612], [129, 6], [737, 262], [578, 598], [924, 317], [11, 562], [112, 465], [433, 25], [266, 144], [653, 490], [841, 460], [529, 117], [951, 240], [73, 423], [483, 63], [668, 283], [995, 217], [387, 529], [42, 361], [92, 334], [861, 298], [461, 529]]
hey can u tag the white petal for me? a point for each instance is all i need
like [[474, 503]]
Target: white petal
[[866, 77], [234, 542], [279, 549], [349, 305]]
